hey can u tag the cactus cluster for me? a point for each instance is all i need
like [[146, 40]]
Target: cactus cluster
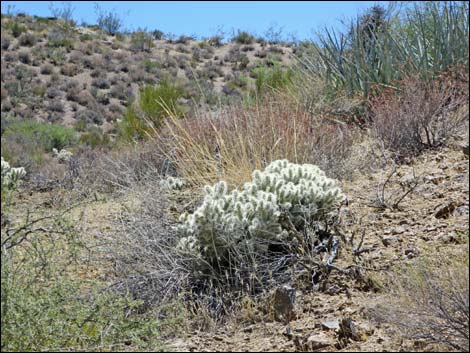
[[10, 176], [279, 200], [63, 155], [172, 183]]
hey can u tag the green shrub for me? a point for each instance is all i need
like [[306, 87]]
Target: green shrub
[[152, 106], [94, 137], [47, 306], [141, 40], [17, 29], [27, 40], [158, 35], [243, 37], [46, 136], [57, 55], [85, 37], [271, 79], [60, 38], [150, 66]]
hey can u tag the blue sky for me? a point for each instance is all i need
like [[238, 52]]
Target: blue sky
[[204, 18]]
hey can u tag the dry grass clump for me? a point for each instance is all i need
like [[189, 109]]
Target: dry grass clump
[[429, 300], [235, 141]]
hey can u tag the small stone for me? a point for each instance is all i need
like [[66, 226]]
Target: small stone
[[436, 180], [411, 253], [445, 210], [389, 240], [408, 179], [347, 330], [319, 340], [248, 329], [332, 324], [462, 210], [465, 149], [399, 230]]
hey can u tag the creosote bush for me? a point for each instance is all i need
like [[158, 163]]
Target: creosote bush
[[47, 305], [25, 142]]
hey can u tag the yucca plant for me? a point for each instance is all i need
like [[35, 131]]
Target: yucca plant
[[382, 46]]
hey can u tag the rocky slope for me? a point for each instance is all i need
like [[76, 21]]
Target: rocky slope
[[433, 217]]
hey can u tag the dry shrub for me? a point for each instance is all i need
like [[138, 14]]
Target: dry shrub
[[69, 70], [232, 143], [145, 263], [420, 115], [101, 170], [430, 300]]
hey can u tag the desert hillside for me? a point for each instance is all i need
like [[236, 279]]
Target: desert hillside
[[236, 192]]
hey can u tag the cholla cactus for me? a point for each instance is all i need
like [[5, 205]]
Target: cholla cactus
[[264, 210], [11, 176], [62, 156], [172, 183]]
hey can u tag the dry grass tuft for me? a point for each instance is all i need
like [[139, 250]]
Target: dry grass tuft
[[231, 143]]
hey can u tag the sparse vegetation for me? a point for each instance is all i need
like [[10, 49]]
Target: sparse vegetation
[[420, 115], [435, 295], [156, 185], [109, 21]]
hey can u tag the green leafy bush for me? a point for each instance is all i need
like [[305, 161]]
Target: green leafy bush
[[17, 29], [25, 143], [94, 137], [47, 136], [59, 37], [46, 306], [271, 79], [152, 106], [141, 40]]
